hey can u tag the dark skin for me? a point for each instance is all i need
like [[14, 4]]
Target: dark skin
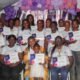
[[40, 25], [36, 50], [59, 45], [48, 24], [12, 42], [53, 29]]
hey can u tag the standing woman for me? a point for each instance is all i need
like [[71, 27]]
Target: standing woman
[[61, 60], [30, 18], [24, 34], [11, 66], [29, 50]]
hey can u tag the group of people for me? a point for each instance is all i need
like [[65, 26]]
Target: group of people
[[42, 50]]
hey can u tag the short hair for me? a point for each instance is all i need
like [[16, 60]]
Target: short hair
[[75, 20], [11, 36], [58, 37]]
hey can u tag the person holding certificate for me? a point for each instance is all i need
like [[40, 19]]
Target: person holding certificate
[[11, 61], [27, 52], [24, 34], [37, 64], [76, 51], [61, 60]]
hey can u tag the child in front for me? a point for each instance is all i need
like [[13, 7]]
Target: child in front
[[37, 64]]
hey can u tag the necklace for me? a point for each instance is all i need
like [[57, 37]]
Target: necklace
[[59, 51]]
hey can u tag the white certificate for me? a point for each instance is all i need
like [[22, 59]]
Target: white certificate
[[14, 57], [40, 58]]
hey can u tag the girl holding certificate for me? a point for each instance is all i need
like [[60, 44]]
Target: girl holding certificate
[[37, 64], [61, 60], [12, 60]]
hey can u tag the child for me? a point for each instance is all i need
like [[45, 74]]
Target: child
[[37, 71]]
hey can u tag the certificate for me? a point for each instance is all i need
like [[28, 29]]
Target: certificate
[[71, 36], [14, 57], [48, 37], [32, 58], [11, 57], [7, 59], [40, 58]]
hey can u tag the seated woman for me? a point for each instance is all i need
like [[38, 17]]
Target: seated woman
[[29, 50], [11, 60], [61, 60]]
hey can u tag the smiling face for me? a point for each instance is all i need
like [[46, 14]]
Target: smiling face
[[67, 25], [11, 40], [40, 25], [30, 18], [75, 25], [31, 42], [17, 23], [48, 23], [54, 27], [58, 41], [36, 48], [26, 24], [61, 23]]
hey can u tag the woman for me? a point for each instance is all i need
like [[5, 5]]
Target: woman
[[61, 25], [24, 34], [61, 60], [48, 26], [74, 46], [11, 65], [30, 18], [39, 34], [50, 38], [29, 50]]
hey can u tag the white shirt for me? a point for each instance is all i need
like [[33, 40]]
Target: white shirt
[[40, 35], [47, 31], [53, 36], [6, 50], [33, 28], [61, 29], [75, 46], [62, 57], [2, 40], [25, 34], [11, 54], [6, 31]]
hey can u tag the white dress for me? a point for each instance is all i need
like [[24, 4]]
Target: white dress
[[37, 70]]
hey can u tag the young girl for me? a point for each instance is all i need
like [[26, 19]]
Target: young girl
[[37, 64]]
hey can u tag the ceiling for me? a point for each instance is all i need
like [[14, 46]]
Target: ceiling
[[4, 3]]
